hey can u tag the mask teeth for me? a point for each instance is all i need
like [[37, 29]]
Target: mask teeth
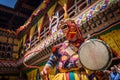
[[72, 32]]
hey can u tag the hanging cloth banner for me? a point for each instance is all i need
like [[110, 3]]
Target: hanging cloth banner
[[19, 43], [113, 40], [51, 10], [31, 32], [35, 74], [63, 3], [24, 38], [42, 6], [50, 13], [29, 76], [40, 25], [32, 75]]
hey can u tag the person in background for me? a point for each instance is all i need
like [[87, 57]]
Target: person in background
[[114, 74]]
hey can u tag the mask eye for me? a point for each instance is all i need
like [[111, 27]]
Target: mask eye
[[64, 26]]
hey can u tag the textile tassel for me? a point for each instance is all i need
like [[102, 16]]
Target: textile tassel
[[72, 76], [63, 3], [66, 13]]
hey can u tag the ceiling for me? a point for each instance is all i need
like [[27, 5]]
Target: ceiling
[[13, 18]]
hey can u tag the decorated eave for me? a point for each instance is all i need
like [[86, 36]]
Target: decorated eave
[[84, 18]]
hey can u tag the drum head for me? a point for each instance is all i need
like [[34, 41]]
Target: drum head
[[94, 54]]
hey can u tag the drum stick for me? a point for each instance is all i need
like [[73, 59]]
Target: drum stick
[[88, 37]]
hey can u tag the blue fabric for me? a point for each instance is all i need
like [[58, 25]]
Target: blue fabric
[[53, 59], [114, 76], [72, 77]]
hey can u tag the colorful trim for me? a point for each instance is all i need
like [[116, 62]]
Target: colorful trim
[[72, 76]]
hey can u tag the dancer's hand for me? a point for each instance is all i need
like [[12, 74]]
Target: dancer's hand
[[45, 72]]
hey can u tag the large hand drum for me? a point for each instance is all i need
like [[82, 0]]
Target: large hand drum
[[94, 54]]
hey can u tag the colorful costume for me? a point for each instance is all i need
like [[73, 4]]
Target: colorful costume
[[66, 60], [65, 55]]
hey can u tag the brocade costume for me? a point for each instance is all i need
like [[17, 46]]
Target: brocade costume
[[65, 58]]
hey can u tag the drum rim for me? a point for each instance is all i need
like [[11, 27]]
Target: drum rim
[[107, 47]]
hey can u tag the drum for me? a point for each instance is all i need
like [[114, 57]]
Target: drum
[[94, 54]]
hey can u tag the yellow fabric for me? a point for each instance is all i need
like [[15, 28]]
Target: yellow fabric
[[72, 69], [89, 72], [29, 76], [52, 74], [42, 6], [32, 31], [60, 76], [19, 44], [51, 10], [83, 76], [66, 13], [24, 38], [32, 75], [115, 35], [76, 74], [63, 3], [113, 40]]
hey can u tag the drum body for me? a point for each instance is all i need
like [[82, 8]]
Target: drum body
[[94, 54]]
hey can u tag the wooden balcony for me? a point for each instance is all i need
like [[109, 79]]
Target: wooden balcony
[[93, 25]]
